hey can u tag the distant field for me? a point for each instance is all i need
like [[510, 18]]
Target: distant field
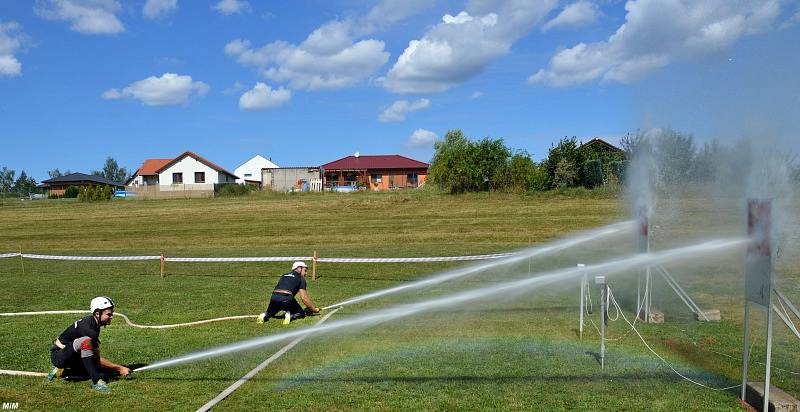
[[518, 354]]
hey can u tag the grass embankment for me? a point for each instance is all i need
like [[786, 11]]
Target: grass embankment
[[507, 354]]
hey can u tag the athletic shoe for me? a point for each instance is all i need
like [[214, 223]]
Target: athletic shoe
[[100, 386], [262, 318], [55, 373], [287, 318]]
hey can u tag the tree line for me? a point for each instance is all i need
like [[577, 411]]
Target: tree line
[[22, 185], [461, 164]]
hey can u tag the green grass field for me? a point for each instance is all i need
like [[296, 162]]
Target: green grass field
[[519, 353]]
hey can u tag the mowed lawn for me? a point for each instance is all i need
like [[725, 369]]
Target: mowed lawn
[[518, 354]]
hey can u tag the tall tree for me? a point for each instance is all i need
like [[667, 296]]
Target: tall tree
[[57, 173], [112, 171], [24, 184], [6, 179]]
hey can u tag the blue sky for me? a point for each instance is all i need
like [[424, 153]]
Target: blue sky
[[308, 82]]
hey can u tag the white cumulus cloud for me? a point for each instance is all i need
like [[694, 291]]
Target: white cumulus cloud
[[10, 41], [327, 59], [656, 33], [168, 90], [335, 55], [462, 46], [84, 16], [263, 97], [158, 9], [422, 138], [229, 7], [398, 110], [579, 13]]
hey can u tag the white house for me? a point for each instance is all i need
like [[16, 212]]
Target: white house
[[250, 171], [188, 171]]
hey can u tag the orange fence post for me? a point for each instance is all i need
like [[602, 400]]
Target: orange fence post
[[162, 265], [314, 266]]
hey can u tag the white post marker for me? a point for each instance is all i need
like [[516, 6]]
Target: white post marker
[[230, 389], [583, 295]]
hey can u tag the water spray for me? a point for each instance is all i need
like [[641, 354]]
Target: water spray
[[477, 268], [523, 285]]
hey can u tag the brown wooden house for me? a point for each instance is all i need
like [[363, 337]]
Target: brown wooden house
[[382, 172], [58, 185]]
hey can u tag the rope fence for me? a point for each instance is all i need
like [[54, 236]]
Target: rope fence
[[315, 259]]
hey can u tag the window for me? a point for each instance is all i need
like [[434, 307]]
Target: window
[[412, 179], [248, 175], [199, 177], [376, 178], [177, 178]]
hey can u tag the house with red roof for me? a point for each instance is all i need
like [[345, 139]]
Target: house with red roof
[[381, 172], [187, 171]]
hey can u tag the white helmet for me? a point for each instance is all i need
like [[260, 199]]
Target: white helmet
[[298, 264], [100, 303]]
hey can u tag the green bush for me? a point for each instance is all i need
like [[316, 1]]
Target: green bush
[[71, 192], [95, 193], [234, 190], [618, 170], [592, 173], [565, 174]]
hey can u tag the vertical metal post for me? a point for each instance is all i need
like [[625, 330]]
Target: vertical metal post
[[583, 296], [769, 355], [314, 266], [759, 282], [601, 280], [162, 265], [21, 261], [746, 351], [642, 298]]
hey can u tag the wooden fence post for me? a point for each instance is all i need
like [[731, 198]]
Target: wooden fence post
[[162, 265], [314, 266]]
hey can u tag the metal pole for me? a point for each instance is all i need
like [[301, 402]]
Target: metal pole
[[162, 265], [601, 280], [769, 355], [583, 295], [22, 261], [746, 352], [639, 296]]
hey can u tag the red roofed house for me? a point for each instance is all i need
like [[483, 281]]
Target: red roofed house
[[381, 172], [188, 171]]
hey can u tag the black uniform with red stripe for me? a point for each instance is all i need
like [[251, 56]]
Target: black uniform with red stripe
[[81, 340], [283, 296]]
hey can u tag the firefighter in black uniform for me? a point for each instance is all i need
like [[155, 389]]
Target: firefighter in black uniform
[[76, 352], [283, 299]]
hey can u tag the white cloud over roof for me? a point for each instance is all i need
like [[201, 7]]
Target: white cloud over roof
[[422, 138], [158, 9], [87, 17], [576, 14], [169, 89], [399, 109], [9, 44], [656, 33], [228, 7], [462, 46], [263, 97]]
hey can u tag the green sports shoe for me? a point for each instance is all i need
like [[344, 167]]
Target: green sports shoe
[[100, 386], [261, 318], [287, 318], [55, 373]]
